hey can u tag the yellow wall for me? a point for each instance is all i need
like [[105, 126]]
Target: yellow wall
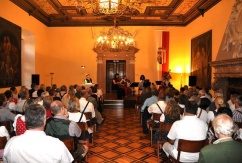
[[63, 50]]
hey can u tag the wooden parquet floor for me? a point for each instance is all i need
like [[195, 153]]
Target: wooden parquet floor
[[120, 139]]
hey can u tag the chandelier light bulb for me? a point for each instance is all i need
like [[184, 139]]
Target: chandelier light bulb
[[116, 39]]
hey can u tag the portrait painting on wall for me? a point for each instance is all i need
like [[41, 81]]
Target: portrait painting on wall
[[201, 56], [10, 54]]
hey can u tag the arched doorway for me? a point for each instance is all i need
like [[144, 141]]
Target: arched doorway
[[104, 56]]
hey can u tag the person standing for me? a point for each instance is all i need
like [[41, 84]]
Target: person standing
[[88, 79]]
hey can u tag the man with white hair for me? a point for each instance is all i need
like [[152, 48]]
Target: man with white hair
[[225, 149]]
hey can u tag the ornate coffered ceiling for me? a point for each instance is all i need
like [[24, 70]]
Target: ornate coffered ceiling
[[54, 13]]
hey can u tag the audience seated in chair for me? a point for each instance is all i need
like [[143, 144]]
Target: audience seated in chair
[[9, 103], [61, 127], [46, 104], [24, 96], [148, 102], [158, 108], [75, 114], [218, 102], [237, 113], [189, 128], [84, 103], [202, 110], [5, 114], [91, 99], [19, 124], [34, 145], [146, 93], [225, 149], [171, 114]]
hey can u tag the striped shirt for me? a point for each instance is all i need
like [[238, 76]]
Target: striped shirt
[[237, 115]]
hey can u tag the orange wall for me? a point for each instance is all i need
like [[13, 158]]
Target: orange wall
[[64, 50]]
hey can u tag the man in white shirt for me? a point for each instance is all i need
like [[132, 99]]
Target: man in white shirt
[[83, 102], [154, 108], [189, 128], [34, 145]]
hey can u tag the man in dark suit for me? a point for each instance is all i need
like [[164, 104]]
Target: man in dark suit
[[225, 149], [88, 79]]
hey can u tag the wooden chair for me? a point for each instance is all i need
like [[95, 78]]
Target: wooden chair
[[69, 143], [93, 126], [83, 126], [239, 124], [8, 125], [156, 118], [3, 142], [164, 127], [191, 146]]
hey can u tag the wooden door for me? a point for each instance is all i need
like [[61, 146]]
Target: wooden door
[[113, 67]]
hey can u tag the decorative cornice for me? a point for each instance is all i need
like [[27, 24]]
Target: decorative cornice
[[231, 68]]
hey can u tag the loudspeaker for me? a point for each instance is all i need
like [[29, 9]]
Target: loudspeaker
[[192, 80], [35, 79]]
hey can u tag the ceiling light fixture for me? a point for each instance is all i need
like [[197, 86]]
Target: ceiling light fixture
[[116, 39]]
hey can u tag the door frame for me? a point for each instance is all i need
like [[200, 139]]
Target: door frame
[[103, 56]]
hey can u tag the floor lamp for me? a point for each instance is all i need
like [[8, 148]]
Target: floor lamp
[[51, 78], [181, 79], [83, 74]]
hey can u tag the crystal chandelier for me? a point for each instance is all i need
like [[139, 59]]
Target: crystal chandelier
[[98, 7], [116, 39]]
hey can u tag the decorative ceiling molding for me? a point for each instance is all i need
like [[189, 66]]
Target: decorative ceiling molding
[[57, 13]]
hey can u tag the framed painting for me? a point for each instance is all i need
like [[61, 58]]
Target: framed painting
[[201, 56], [10, 54]]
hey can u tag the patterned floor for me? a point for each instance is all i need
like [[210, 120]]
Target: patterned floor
[[120, 140]]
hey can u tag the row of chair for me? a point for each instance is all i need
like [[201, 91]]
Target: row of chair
[[69, 142], [183, 145]]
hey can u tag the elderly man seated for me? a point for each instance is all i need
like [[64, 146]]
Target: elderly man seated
[[61, 127], [225, 149], [34, 145], [188, 128]]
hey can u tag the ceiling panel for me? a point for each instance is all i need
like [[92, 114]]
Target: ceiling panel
[[54, 13]]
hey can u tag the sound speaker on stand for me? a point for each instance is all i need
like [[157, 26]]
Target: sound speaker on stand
[[35, 79], [192, 80]]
